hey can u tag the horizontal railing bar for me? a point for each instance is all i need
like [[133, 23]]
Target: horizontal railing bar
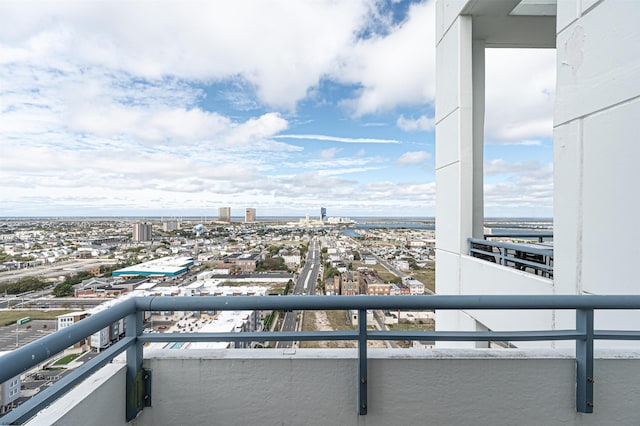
[[469, 336], [371, 335], [616, 334], [288, 336], [520, 235], [29, 408], [513, 246], [424, 302], [527, 262], [480, 251]]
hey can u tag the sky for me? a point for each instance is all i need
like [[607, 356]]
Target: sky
[[177, 108]]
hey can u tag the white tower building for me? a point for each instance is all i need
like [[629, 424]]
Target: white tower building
[[595, 153]]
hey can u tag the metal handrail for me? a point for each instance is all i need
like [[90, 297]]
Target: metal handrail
[[540, 236], [22, 359], [512, 254]]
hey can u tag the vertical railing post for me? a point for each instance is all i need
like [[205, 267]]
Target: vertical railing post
[[584, 361], [362, 359], [135, 379], [503, 256]]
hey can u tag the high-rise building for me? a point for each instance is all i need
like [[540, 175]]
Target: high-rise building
[[595, 126], [250, 215], [170, 225], [224, 214], [323, 214], [142, 231]]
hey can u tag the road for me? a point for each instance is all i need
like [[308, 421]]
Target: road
[[305, 284]]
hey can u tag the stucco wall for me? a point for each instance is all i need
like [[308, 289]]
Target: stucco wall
[[595, 133], [406, 387], [320, 387], [98, 401]]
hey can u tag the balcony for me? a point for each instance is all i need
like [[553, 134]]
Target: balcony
[[534, 256], [340, 386]]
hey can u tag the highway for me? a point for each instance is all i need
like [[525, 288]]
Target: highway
[[305, 284]]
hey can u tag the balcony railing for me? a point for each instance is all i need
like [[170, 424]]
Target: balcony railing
[[534, 257], [138, 386]]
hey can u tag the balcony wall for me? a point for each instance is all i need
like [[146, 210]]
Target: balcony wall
[[479, 277], [319, 387]]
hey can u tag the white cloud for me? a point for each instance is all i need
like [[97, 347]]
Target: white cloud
[[343, 171], [388, 190], [282, 48], [397, 69], [329, 153], [106, 107], [413, 157], [520, 93], [338, 139], [335, 163], [422, 123], [523, 189]]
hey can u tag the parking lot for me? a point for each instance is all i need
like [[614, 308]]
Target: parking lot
[[26, 333]]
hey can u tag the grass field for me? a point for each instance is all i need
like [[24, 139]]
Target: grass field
[[413, 327], [14, 315], [426, 277], [337, 320], [67, 359]]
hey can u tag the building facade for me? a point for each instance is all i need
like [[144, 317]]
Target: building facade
[[67, 320], [224, 214], [10, 390], [170, 225], [597, 103], [250, 214], [142, 232]]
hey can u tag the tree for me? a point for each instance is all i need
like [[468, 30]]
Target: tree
[[271, 264], [23, 285], [63, 289], [330, 272]]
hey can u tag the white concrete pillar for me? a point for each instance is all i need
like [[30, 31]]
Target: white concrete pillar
[[456, 155], [459, 143], [478, 80]]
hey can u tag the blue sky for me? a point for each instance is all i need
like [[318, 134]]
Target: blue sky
[[178, 108]]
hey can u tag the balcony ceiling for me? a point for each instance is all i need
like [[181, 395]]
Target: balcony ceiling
[[513, 23]]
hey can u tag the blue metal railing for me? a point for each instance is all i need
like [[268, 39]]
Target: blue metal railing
[[523, 256], [138, 391], [541, 236]]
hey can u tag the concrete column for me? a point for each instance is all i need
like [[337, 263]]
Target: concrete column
[[457, 186], [454, 137], [478, 138]]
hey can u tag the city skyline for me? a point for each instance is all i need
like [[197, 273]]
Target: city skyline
[[105, 116]]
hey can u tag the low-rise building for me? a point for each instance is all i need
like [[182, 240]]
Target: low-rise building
[[378, 289], [350, 283], [10, 391], [67, 320]]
